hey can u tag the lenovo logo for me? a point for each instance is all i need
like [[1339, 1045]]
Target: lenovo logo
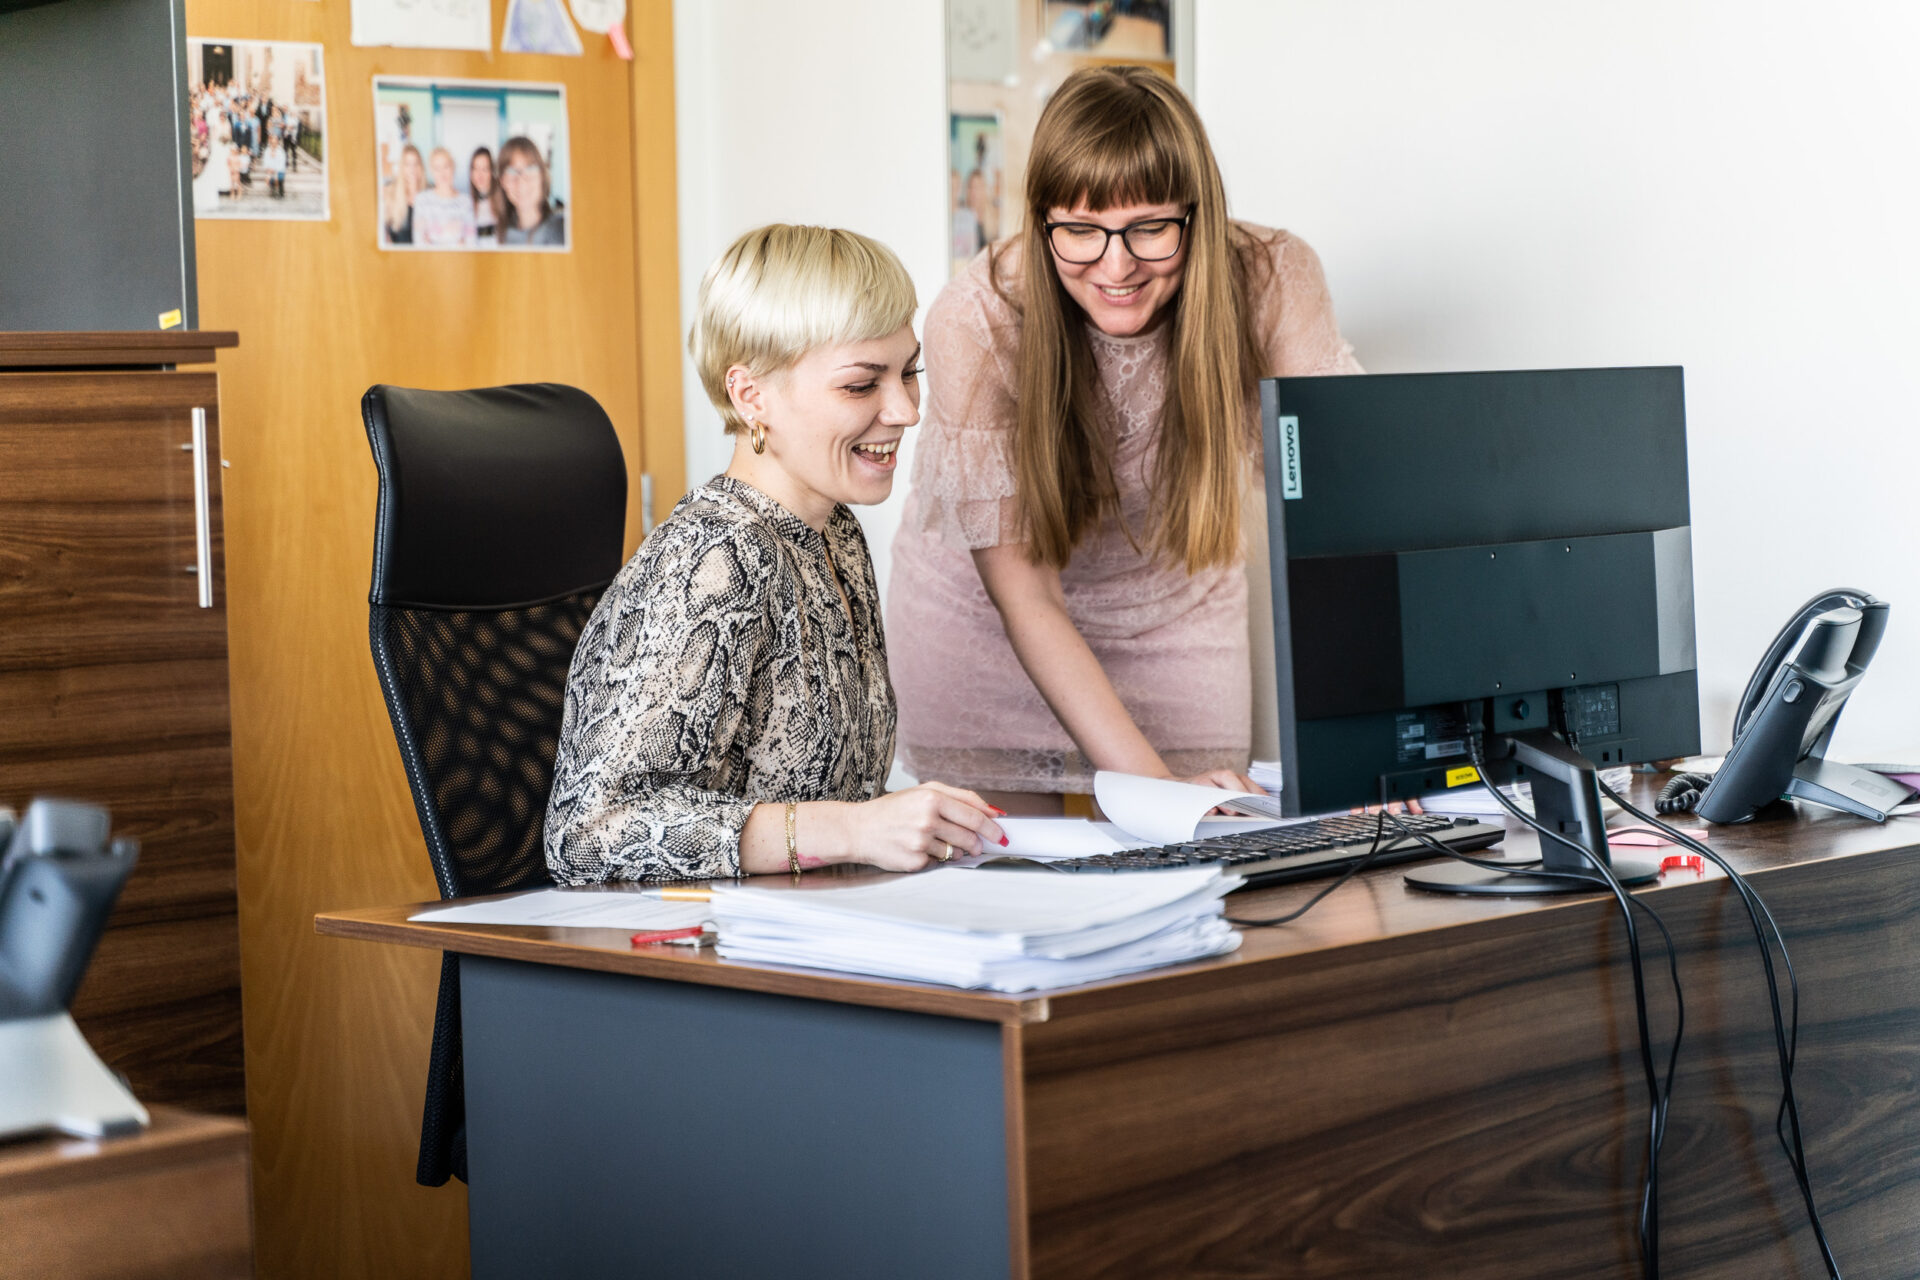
[[1289, 457]]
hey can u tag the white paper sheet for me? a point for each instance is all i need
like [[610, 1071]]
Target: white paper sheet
[[1054, 838], [424, 24], [1164, 811], [1049, 840], [575, 909]]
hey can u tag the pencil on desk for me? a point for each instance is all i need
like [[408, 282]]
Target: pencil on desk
[[672, 894]]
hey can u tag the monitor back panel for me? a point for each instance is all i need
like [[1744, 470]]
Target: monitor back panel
[[1518, 542]]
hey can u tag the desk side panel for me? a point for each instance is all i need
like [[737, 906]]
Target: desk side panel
[[626, 1126], [1475, 1108]]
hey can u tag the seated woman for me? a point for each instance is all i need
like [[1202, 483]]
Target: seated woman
[[728, 710]]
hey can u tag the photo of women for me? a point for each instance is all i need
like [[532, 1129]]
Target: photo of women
[[471, 165]]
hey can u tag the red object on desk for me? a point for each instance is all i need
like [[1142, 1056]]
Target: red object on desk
[[667, 935]]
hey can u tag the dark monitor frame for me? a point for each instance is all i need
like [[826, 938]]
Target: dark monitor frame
[[93, 125], [1454, 511]]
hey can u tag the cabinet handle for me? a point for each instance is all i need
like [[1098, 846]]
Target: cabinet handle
[[202, 512]]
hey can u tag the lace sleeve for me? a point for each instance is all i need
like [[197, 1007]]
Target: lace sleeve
[[1294, 312], [963, 480], [655, 702]]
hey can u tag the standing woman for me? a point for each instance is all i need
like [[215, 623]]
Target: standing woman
[[1068, 591]]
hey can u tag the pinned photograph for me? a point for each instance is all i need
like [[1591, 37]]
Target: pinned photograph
[[1137, 30], [257, 111], [539, 26], [975, 185], [471, 164]]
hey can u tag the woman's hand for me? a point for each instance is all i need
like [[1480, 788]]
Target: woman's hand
[[1225, 779], [907, 830]]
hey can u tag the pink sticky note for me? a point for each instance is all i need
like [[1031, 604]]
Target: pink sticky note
[[618, 34]]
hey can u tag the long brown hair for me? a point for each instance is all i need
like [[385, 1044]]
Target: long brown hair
[[1115, 136]]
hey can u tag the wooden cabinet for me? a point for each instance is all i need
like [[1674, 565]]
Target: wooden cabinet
[[168, 1202], [113, 677]]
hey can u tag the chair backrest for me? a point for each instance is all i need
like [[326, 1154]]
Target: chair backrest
[[501, 518]]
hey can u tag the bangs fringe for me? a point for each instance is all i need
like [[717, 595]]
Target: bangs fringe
[[1128, 156]]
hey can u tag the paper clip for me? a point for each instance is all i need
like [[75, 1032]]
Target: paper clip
[[692, 936]]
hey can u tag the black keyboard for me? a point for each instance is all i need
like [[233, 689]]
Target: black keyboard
[[1301, 851]]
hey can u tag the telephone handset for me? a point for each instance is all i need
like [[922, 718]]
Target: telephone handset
[[1787, 716]]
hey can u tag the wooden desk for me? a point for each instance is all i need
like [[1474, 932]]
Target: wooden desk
[[1399, 1085], [170, 1201]]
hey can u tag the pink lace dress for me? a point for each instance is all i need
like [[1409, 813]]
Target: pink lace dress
[[1173, 644]]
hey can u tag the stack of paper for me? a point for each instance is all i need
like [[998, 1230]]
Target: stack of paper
[[998, 930], [1472, 800]]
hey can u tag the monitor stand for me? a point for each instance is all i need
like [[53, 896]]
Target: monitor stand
[[1566, 798], [55, 1081]]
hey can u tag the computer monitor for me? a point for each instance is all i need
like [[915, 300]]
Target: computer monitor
[[1501, 554]]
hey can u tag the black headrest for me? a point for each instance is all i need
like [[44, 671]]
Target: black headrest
[[493, 499]]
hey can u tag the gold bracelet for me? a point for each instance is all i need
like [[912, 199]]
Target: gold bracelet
[[793, 843]]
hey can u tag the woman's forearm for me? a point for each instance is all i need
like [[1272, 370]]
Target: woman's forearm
[[1033, 608], [1063, 668], [820, 836]]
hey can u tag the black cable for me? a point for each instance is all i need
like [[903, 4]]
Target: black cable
[[1657, 1100], [1673, 973], [1373, 851], [1786, 1043]]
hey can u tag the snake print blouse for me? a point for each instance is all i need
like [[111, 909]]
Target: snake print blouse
[[719, 671]]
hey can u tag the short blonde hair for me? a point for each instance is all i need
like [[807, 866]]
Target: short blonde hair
[[780, 291]]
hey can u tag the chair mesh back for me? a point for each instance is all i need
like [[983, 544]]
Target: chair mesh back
[[476, 700], [499, 526]]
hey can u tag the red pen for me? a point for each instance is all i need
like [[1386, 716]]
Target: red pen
[[692, 932]]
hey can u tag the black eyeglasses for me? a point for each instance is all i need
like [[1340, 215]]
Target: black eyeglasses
[[1152, 240]]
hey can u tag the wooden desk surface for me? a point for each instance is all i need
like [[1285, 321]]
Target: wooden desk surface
[[1376, 910]]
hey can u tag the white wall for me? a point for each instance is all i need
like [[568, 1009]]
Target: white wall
[[1730, 185], [831, 112], [1725, 184]]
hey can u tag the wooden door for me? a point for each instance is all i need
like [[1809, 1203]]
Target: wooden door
[[337, 1033], [113, 689]]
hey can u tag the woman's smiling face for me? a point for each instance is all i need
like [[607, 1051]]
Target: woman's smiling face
[[1121, 294], [835, 418]]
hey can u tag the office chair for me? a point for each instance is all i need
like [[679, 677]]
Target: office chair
[[502, 513]]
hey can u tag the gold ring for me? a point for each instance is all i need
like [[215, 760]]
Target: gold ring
[[946, 852]]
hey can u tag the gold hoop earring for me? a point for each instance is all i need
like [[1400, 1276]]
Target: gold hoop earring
[[757, 436]]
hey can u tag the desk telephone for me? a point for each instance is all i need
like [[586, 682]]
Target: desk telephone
[[1787, 716], [59, 878]]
